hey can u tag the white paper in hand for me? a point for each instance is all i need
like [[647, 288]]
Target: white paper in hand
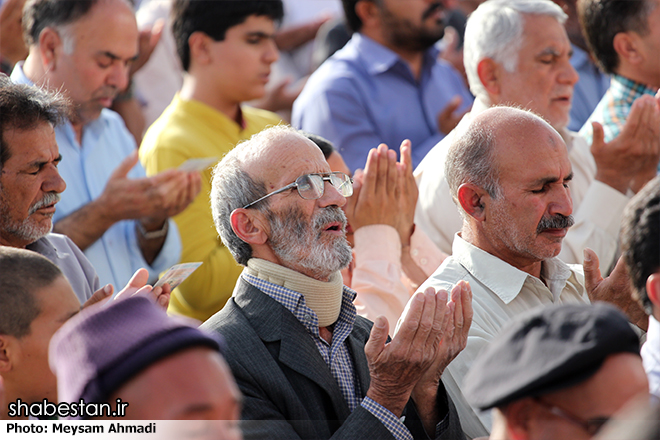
[[177, 274], [197, 164]]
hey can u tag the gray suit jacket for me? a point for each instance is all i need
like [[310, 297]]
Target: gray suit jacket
[[288, 389]]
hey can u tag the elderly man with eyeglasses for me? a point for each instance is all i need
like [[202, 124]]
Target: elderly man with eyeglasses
[[307, 366]]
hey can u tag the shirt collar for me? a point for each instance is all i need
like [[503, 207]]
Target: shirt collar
[[45, 247], [622, 85], [378, 58], [502, 278]]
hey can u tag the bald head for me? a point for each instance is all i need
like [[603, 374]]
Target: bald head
[[474, 154]]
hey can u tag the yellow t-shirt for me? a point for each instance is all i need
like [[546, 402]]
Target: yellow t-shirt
[[186, 130]]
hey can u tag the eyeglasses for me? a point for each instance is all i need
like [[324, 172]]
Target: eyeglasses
[[312, 186], [591, 426]]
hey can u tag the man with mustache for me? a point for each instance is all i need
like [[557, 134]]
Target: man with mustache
[[30, 185], [508, 171], [307, 366], [116, 215], [387, 84]]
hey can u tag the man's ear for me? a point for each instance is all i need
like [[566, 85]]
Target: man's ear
[[249, 226], [489, 75], [367, 11], [6, 353], [518, 415], [626, 46], [653, 289], [471, 198], [200, 45], [50, 48]]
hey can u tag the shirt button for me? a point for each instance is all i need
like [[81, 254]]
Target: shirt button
[[308, 317], [423, 261], [414, 252]]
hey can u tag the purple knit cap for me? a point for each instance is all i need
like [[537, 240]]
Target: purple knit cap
[[97, 351]]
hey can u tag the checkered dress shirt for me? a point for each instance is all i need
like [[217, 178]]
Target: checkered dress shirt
[[336, 355]]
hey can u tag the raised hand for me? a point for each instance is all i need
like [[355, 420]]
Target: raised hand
[[151, 198], [396, 367], [615, 289], [374, 197]]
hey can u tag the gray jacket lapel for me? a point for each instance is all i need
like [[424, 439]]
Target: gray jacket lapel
[[297, 349]]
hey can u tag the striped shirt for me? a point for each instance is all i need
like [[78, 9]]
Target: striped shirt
[[336, 355]]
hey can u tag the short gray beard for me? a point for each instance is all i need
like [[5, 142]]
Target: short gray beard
[[27, 230], [299, 244]]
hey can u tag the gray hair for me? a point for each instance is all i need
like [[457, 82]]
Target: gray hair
[[471, 158], [233, 188], [494, 30]]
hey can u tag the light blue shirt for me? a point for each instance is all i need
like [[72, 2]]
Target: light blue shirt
[[589, 89], [106, 142], [366, 94]]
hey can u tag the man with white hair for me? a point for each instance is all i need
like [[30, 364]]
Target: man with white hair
[[307, 366], [517, 53]]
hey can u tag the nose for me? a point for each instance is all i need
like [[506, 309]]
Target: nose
[[562, 203], [271, 54], [331, 196], [568, 74], [53, 181], [118, 75]]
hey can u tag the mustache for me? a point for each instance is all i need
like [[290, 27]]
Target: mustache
[[49, 199], [330, 214], [557, 221], [431, 10]]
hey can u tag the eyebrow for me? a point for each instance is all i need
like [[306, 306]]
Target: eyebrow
[[39, 163], [114, 57], [259, 34], [546, 180]]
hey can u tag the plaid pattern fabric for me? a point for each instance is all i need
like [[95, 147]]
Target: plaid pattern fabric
[[336, 355], [613, 108]]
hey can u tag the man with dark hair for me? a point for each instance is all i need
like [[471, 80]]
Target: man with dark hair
[[309, 367], [640, 243], [132, 353], [35, 300], [624, 37], [226, 48], [558, 372], [111, 210], [30, 184], [386, 84]]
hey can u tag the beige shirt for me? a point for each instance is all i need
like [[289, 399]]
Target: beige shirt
[[597, 207], [500, 292]]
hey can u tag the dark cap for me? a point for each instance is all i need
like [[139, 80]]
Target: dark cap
[[101, 348], [546, 350]]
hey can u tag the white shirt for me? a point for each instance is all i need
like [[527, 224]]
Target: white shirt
[[597, 207], [499, 293], [651, 356]]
